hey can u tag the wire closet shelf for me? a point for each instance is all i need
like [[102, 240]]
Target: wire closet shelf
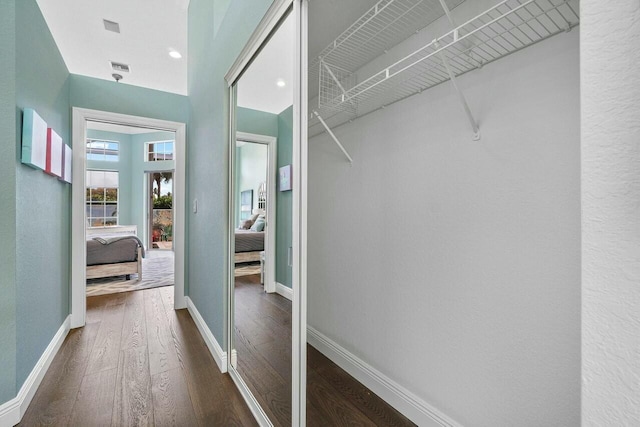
[[507, 27]]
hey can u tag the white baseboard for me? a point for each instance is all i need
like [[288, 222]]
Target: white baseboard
[[214, 348], [12, 411], [284, 291], [410, 405]]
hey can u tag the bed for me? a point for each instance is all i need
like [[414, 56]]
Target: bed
[[249, 244], [114, 251]]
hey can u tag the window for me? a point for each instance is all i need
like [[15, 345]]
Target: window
[[102, 150], [102, 198], [157, 151]]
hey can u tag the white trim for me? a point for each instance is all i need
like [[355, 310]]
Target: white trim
[[278, 10], [255, 408], [269, 22], [406, 402], [212, 344], [284, 291], [78, 221], [299, 217], [270, 236], [11, 412]]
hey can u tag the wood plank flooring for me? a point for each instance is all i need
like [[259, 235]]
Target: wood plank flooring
[[139, 362], [136, 362], [263, 343]]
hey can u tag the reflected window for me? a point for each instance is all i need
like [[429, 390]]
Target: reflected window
[[102, 198], [101, 150], [158, 151]]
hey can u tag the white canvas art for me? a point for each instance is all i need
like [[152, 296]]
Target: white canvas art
[[34, 140], [66, 163], [54, 153]]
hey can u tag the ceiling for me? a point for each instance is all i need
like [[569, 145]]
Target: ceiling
[[257, 88], [149, 29]]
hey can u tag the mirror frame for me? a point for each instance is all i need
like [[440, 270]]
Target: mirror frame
[[269, 23]]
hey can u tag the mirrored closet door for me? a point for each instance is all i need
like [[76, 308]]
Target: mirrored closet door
[[263, 190]]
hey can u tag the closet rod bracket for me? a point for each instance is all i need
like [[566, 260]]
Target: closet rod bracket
[[463, 100], [452, 76], [333, 136]]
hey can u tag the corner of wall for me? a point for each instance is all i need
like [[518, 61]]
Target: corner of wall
[[8, 155]]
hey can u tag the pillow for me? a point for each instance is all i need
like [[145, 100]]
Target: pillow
[[254, 217], [258, 225], [246, 224]]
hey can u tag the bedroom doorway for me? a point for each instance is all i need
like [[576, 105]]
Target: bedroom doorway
[[255, 233], [113, 155], [129, 224]]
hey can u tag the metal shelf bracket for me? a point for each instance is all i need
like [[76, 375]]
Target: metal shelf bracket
[[332, 135], [452, 76]]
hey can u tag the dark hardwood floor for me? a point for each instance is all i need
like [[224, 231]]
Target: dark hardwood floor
[[139, 362], [136, 362], [263, 343]]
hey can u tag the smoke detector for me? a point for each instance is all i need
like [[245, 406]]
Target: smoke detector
[[120, 67]]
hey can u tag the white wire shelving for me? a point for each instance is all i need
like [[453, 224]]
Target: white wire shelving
[[507, 27]]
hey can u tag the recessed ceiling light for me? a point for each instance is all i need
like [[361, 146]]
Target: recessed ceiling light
[[281, 83], [175, 54]]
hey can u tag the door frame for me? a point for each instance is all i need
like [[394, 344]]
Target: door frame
[[278, 10], [271, 227], [78, 211]]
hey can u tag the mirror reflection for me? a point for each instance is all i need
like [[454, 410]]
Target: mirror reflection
[[262, 224]]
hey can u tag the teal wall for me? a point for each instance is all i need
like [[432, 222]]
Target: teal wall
[[210, 57], [256, 122], [43, 215], [123, 166], [8, 155], [284, 200], [103, 95]]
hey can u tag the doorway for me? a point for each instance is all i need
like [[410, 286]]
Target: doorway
[[262, 202], [159, 210], [79, 269]]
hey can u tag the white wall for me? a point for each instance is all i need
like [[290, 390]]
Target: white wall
[[610, 91], [453, 266]]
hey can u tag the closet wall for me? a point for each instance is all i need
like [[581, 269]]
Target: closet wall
[[453, 266]]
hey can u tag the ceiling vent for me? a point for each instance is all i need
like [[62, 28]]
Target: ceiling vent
[[121, 68], [111, 26]]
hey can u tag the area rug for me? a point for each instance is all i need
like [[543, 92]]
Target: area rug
[[157, 271], [247, 269]]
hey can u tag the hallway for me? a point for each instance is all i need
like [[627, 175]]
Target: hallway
[[136, 362]]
